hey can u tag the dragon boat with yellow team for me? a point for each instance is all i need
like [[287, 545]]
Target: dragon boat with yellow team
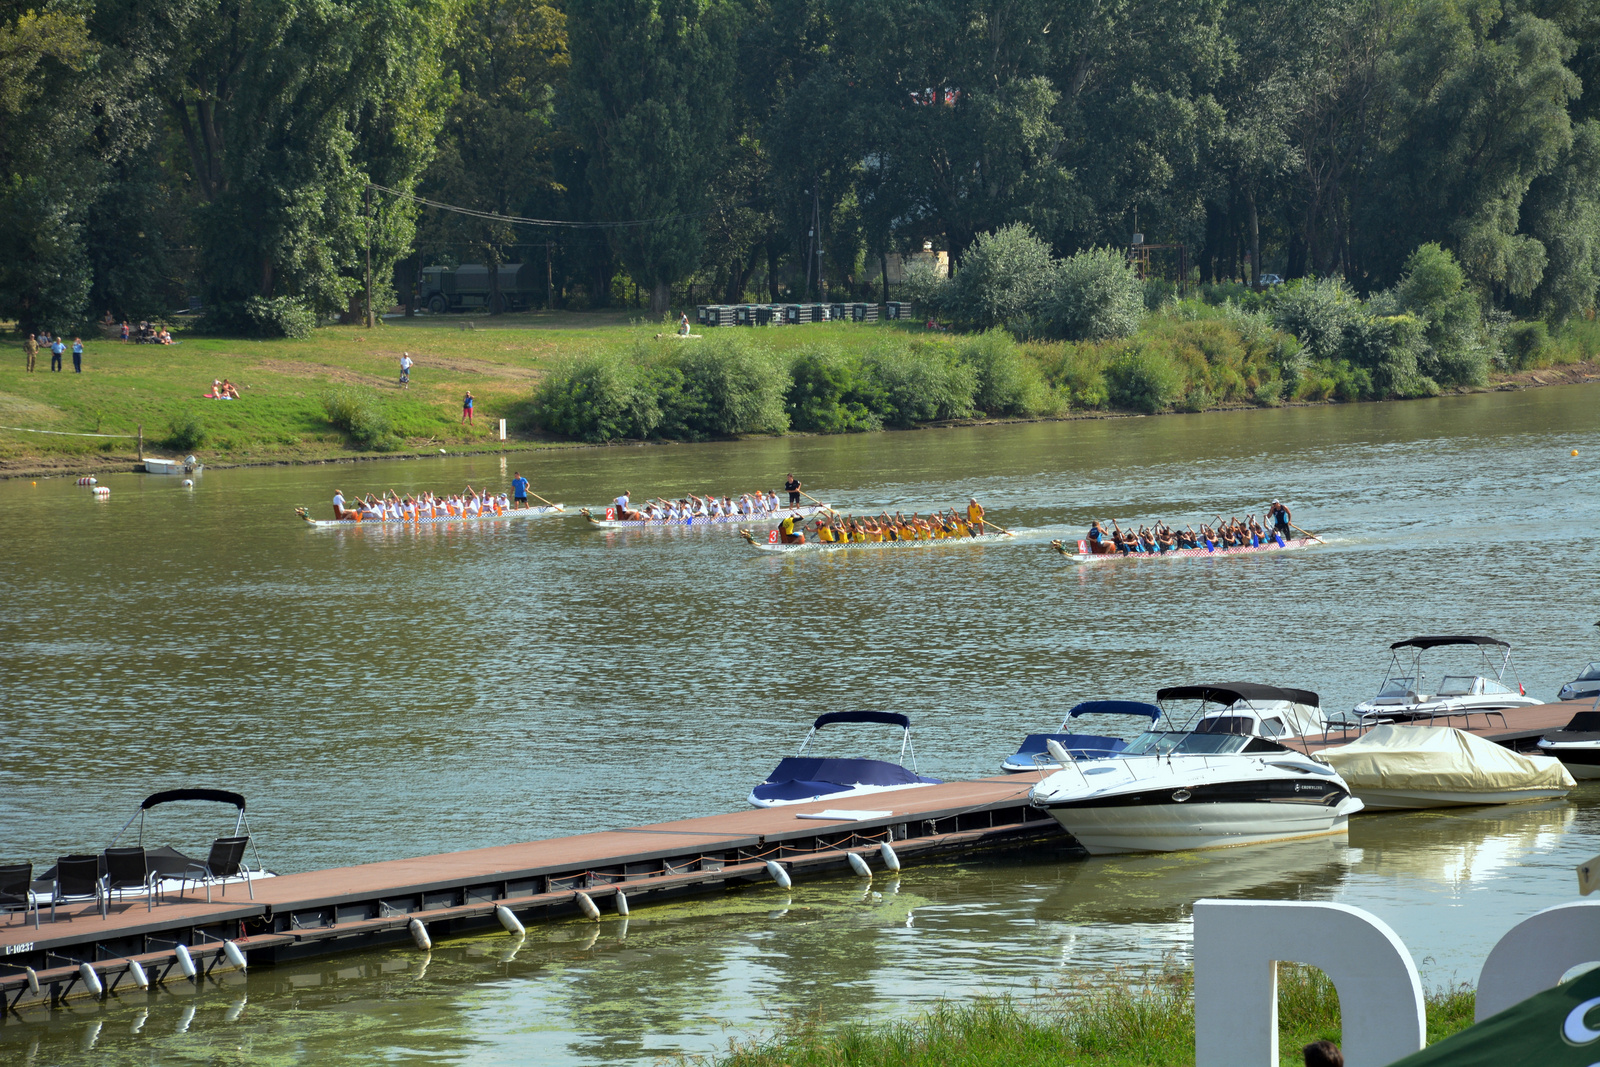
[[833, 532]]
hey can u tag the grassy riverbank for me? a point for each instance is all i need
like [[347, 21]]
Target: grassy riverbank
[[563, 377], [1142, 1023]]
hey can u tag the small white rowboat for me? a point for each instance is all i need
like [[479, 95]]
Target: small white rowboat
[[488, 516], [1083, 555], [764, 517]]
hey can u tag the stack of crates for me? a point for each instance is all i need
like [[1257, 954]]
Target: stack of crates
[[716, 315], [899, 309], [864, 312], [766, 313], [838, 312], [744, 315]]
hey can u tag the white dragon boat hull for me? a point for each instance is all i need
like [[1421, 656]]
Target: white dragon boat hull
[[772, 545], [504, 516], [1083, 555], [765, 518]]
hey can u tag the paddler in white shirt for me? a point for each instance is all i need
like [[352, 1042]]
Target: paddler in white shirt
[[338, 505]]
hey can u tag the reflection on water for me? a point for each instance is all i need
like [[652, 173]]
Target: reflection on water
[[687, 977], [382, 691]]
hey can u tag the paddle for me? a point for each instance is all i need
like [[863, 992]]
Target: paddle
[[1316, 538], [536, 496], [817, 502]]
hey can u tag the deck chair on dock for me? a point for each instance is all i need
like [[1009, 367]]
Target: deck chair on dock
[[129, 868], [225, 861], [78, 880], [16, 891]]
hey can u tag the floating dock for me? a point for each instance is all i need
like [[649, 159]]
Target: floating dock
[[347, 909], [352, 908]]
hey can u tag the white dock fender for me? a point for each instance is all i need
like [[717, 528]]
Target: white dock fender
[[185, 961], [419, 934], [512, 924], [859, 865], [235, 955], [622, 904], [586, 904], [91, 980], [779, 875], [891, 858]]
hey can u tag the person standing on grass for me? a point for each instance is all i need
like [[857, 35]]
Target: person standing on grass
[[77, 355], [466, 409], [30, 349], [405, 370], [57, 349]]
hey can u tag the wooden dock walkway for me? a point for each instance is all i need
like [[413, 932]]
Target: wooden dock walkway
[[350, 908]]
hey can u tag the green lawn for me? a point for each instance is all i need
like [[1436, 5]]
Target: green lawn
[[280, 417]]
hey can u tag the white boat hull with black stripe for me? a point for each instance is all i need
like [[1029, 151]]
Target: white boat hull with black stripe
[[1226, 782], [509, 515]]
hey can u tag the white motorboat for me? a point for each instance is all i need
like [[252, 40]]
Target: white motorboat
[[800, 779], [1577, 744], [1034, 753], [1405, 767], [1586, 686], [1224, 780], [186, 466], [1481, 691]]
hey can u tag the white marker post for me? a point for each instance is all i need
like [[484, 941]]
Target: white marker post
[[502, 429]]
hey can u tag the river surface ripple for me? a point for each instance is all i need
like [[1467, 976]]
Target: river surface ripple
[[386, 692]]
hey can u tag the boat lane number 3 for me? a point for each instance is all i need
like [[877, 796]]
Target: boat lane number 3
[[772, 536]]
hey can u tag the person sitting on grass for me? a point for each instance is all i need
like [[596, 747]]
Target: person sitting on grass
[[230, 390]]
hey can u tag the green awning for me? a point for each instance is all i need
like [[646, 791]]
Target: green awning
[[1557, 1028]]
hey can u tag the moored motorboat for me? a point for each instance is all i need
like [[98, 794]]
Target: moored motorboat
[[800, 779], [186, 466], [171, 871], [503, 515], [773, 517], [1224, 780], [1034, 753], [1401, 767], [1480, 691], [1577, 744], [1585, 686]]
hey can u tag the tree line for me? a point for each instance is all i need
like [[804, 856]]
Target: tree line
[[157, 152]]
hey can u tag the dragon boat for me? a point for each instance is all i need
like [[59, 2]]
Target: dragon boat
[[772, 543], [488, 516], [1083, 555], [611, 522]]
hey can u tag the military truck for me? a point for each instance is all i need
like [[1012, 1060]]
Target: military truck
[[466, 288]]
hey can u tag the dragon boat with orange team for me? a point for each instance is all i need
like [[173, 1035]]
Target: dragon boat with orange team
[[834, 532]]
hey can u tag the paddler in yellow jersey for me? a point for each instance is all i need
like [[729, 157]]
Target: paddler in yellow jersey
[[975, 516], [824, 530], [786, 534]]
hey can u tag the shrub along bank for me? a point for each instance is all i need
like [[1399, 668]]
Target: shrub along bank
[[1121, 1024], [1313, 342]]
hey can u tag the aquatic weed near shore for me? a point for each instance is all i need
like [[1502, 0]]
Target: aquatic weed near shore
[[1119, 1021]]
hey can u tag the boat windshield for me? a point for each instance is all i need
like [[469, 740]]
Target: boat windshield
[[1186, 744], [1495, 688], [1457, 685], [1395, 687], [1591, 673], [1199, 744]]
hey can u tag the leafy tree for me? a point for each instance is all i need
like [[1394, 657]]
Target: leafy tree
[[1003, 277], [1094, 296], [650, 87], [1434, 289]]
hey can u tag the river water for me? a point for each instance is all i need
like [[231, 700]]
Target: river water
[[383, 692]]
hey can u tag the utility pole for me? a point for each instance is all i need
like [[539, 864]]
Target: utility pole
[[549, 279]]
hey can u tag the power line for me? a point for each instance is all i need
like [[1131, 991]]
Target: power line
[[517, 220]]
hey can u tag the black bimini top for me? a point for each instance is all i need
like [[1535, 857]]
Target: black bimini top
[[1434, 642], [221, 796], [1233, 692], [889, 717]]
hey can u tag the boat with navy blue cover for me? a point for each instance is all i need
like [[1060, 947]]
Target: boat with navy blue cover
[[1034, 754], [800, 779]]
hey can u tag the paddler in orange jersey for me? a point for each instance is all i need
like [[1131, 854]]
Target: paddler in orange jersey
[[975, 516]]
